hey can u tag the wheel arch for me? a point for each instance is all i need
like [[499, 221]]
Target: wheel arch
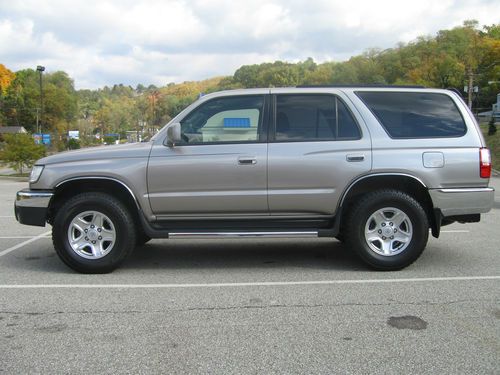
[[75, 185], [406, 183]]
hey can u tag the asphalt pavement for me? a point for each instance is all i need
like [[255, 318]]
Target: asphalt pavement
[[275, 306]]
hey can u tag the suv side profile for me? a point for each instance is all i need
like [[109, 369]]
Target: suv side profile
[[375, 167]]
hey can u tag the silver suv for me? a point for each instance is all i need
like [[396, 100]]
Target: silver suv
[[374, 167]]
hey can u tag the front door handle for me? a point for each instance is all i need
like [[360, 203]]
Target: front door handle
[[247, 160], [354, 158]]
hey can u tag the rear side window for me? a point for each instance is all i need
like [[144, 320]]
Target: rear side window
[[415, 115], [313, 118]]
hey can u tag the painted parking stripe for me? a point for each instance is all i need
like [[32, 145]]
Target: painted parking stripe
[[249, 284], [16, 237], [33, 239], [455, 231]]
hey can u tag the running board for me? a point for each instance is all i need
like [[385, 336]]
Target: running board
[[241, 234]]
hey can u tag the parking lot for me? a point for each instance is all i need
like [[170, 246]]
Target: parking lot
[[251, 306]]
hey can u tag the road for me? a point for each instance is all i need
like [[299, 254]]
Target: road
[[251, 306]]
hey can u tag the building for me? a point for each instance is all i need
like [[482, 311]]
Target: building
[[12, 129]]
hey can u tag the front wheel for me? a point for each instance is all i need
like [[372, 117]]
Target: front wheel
[[387, 229], [93, 233]]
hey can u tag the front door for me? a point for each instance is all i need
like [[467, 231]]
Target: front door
[[220, 167]]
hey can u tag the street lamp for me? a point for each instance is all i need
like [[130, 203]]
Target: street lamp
[[40, 70]]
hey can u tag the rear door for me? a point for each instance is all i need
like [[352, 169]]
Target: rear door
[[317, 146]]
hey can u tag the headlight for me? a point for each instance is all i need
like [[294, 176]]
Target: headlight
[[36, 171]]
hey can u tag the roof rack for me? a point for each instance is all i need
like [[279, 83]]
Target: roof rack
[[364, 85]]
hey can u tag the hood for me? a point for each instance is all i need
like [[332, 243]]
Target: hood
[[127, 150]]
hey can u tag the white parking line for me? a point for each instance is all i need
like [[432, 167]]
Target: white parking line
[[264, 283], [15, 237], [11, 216], [33, 239], [455, 231]]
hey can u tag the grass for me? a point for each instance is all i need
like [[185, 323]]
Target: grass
[[15, 175], [493, 142]]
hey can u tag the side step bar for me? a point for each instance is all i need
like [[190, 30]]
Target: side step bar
[[155, 232], [241, 234]]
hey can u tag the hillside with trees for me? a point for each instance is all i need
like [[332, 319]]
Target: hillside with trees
[[468, 55]]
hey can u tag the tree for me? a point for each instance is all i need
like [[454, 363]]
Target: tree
[[321, 75], [22, 100], [20, 151], [6, 78], [466, 45], [73, 144]]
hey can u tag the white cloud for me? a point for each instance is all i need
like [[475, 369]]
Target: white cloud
[[159, 41]]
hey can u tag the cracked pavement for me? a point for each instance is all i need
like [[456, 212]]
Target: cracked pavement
[[426, 327]]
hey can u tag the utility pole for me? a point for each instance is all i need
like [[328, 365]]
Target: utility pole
[[470, 88], [40, 70], [37, 129]]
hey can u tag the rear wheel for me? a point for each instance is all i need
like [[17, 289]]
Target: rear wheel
[[388, 229], [93, 233]]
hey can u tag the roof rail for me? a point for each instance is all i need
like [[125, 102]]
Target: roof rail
[[365, 85]]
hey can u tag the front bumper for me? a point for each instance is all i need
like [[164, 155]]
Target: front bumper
[[31, 206], [466, 201]]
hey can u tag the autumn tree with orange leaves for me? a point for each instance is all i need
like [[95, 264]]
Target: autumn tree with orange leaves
[[6, 78]]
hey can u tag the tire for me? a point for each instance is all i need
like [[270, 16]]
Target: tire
[[387, 229], [93, 233]]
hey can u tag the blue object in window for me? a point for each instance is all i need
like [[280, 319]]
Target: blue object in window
[[237, 122]]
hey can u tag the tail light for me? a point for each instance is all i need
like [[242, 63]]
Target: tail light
[[484, 163]]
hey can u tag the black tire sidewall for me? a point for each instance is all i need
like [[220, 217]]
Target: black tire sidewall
[[398, 200], [114, 210]]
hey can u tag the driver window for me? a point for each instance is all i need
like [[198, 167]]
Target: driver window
[[231, 119]]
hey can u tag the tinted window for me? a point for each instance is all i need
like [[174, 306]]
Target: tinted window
[[415, 115], [313, 117], [230, 119]]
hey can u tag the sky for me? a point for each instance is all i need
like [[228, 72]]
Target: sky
[[161, 41]]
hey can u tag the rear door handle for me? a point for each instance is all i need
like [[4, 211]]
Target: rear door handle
[[355, 158], [247, 160]]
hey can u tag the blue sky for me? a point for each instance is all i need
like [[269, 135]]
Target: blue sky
[[106, 42]]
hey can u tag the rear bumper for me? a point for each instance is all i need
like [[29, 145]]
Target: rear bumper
[[31, 206], [466, 201]]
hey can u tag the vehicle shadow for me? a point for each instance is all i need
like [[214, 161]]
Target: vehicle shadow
[[211, 256], [215, 256], [245, 254]]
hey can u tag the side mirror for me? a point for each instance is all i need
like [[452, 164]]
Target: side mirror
[[173, 134]]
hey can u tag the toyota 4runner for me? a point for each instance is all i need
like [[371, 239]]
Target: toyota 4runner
[[375, 167]]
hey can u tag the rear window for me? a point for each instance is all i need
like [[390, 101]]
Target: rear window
[[415, 115]]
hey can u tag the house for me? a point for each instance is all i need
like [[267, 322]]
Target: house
[[12, 129]]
